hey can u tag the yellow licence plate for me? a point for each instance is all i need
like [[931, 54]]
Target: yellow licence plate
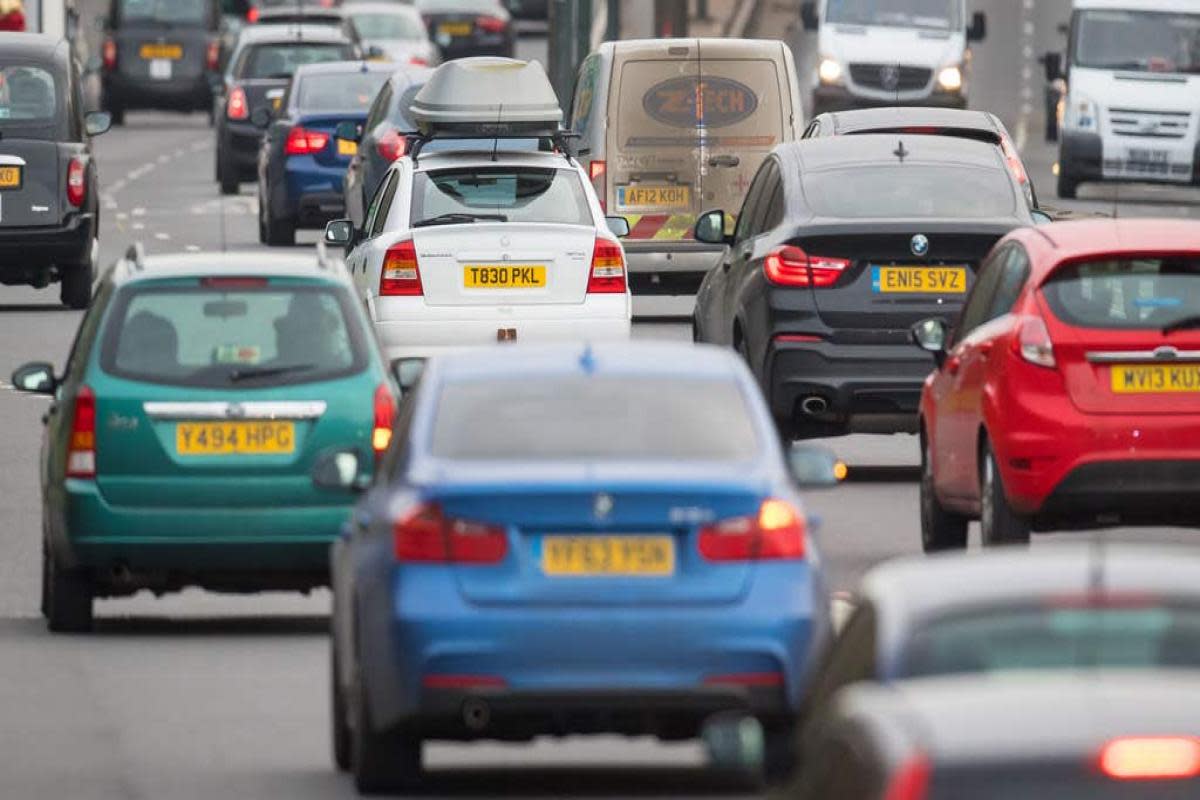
[[347, 147], [1155, 378], [10, 177], [919, 280], [235, 438], [576, 556], [504, 276], [654, 196], [171, 51], [455, 29]]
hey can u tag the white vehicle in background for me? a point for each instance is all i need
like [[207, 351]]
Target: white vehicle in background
[[466, 247], [1131, 111], [891, 52]]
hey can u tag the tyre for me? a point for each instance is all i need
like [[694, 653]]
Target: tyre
[[227, 176], [999, 524], [339, 729], [75, 285], [940, 529], [279, 232], [382, 761], [1068, 186], [67, 596]]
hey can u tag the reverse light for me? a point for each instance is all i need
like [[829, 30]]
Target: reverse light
[[829, 71], [401, 275], [391, 145], [950, 79], [598, 173], [608, 268], [1034, 344], [108, 54], [237, 106], [910, 781], [385, 419], [303, 142], [212, 56], [1137, 758], [425, 534], [490, 24], [76, 181], [81, 449], [776, 532], [790, 266]]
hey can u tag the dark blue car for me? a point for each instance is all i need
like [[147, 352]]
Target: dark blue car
[[573, 539], [302, 163]]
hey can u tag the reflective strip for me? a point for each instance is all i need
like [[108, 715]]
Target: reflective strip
[[663, 227], [283, 409]]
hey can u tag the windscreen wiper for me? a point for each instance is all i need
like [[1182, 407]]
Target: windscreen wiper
[[456, 217], [1186, 323], [238, 375]]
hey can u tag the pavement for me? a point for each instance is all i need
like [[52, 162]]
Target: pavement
[[207, 696]]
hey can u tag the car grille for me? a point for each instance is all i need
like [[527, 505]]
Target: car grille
[[1153, 124], [881, 77]]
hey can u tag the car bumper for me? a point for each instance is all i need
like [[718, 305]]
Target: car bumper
[[184, 94], [668, 268], [1085, 156], [26, 250], [311, 195], [503, 47], [840, 98]]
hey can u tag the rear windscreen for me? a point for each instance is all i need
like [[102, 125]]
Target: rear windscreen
[[499, 194], [233, 336], [340, 92], [1140, 294], [593, 418], [280, 60], [1055, 638], [388, 26], [186, 12], [910, 191], [28, 96]]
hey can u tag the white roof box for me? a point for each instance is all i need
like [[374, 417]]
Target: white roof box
[[487, 96]]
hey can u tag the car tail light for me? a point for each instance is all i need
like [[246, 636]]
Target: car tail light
[[252, 14], [237, 107], [385, 419], [746, 679], [303, 142], [598, 172], [441, 681], [108, 54], [608, 268], [425, 534], [81, 450], [212, 57], [790, 266], [76, 181], [418, 61], [1139, 758], [490, 24], [401, 276], [392, 145], [910, 781], [777, 531], [1014, 161], [1034, 344]]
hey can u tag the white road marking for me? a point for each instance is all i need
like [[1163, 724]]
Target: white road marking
[[162, 237], [192, 248], [1028, 60], [139, 212], [139, 226]]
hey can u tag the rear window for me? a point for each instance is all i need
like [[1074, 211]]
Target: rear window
[[280, 60], [1139, 294], [353, 91], [505, 194], [388, 26], [28, 95], [1056, 638], [920, 191], [222, 336], [186, 12], [594, 418]]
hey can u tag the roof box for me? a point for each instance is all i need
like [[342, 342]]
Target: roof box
[[486, 96]]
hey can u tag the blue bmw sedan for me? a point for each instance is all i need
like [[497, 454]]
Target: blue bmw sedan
[[574, 539]]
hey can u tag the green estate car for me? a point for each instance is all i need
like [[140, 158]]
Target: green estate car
[[201, 394]]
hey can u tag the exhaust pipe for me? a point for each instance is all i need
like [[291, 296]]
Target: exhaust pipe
[[814, 405], [476, 714]]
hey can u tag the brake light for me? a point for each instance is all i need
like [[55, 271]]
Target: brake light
[[608, 268], [303, 142], [109, 54], [790, 266], [81, 450], [911, 781], [76, 181], [746, 679], [1014, 161], [401, 274], [425, 534], [385, 419], [490, 24], [777, 531], [1034, 344], [392, 145], [252, 15], [1138, 758], [418, 61], [451, 681], [212, 57], [237, 107], [598, 172]]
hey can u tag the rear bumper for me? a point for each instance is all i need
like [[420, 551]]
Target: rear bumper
[[1125, 492], [503, 48], [1083, 156], [27, 250], [187, 94], [666, 268], [238, 145], [309, 194]]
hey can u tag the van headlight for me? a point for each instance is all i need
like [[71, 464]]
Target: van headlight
[[1081, 113], [829, 71], [950, 79]]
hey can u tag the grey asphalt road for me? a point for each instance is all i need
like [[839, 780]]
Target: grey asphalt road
[[206, 696]]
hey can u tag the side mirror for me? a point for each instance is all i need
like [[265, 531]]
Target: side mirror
[[978, 30], [260, 117], [710, 228], [36, 377], [808, 15], [1052, 62], [930, 335], [339, 232], [97, 122], [348, 130], [93, 65], [407, 372], [618, 226], [815, 467], [339, 470]]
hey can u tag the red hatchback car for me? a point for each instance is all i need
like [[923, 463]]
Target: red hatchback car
[[1068, 394]]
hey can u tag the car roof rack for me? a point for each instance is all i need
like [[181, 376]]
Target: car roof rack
[[563, 141]]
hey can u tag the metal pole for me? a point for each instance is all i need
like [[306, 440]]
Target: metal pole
[[612, 30], [562, 34], [702, 10]]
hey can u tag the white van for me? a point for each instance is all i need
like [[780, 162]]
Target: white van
[[1132, 107], [891, 52], [672, 127]]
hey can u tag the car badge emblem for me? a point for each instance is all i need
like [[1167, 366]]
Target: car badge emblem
[[235, 411], [889, 76], [919, 245], [505, 241], [603, 506]]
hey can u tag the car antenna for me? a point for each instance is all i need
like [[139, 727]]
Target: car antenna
[[900, 152]]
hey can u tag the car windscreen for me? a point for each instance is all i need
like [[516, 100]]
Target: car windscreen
[[936, 14], [281, 59], [233, 332], [339, 92], [374, 25], [29, 101], [1050, 637], [910, 191], [503, 194], [174, 12], [1130, 294], [594, 418], [1138, 41]]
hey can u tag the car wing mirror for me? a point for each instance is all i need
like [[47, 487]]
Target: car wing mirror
[[978, 30], [710, 228], [36, 377], [349, 130], [339, 232], [618, 226], [260, 117], [931, 335], [339, 470], [808, 15], [815, 467], [408, 372], [97, 122], [1052, 62]]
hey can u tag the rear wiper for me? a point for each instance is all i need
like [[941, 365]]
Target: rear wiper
[[239, 375], [455, 217], [1183, 324]]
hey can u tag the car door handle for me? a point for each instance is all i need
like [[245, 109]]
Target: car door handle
[[724, 161]]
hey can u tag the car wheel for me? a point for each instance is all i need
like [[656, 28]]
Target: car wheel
[[382, 761], [75, 286], [227, 177], [998, 523], [1068, 186], [67, 596], [280, 232], [940, 529], [339, 728], [779, 753]]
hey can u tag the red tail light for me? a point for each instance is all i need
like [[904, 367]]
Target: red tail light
[[598, 172], [746, 679], [212, 57], [911, 781], [401, 276], [1014, 161], [777, 531], [303, 142], [790, 266], [451, 681], [252, 15], [392, 145], [76, 181], [237, 107], [490, 24], [1146, 758], [425, 534], [81, 450], [108, 54], [608, 268], [1033, 343], [385, 419], [418, 61]]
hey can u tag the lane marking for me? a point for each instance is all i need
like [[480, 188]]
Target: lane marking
[[162, 237], [192, 248], [139, 212], [1027, 44]]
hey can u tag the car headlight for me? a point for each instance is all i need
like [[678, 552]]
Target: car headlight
[[1081, 113], [829, 71], [950, 79]]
